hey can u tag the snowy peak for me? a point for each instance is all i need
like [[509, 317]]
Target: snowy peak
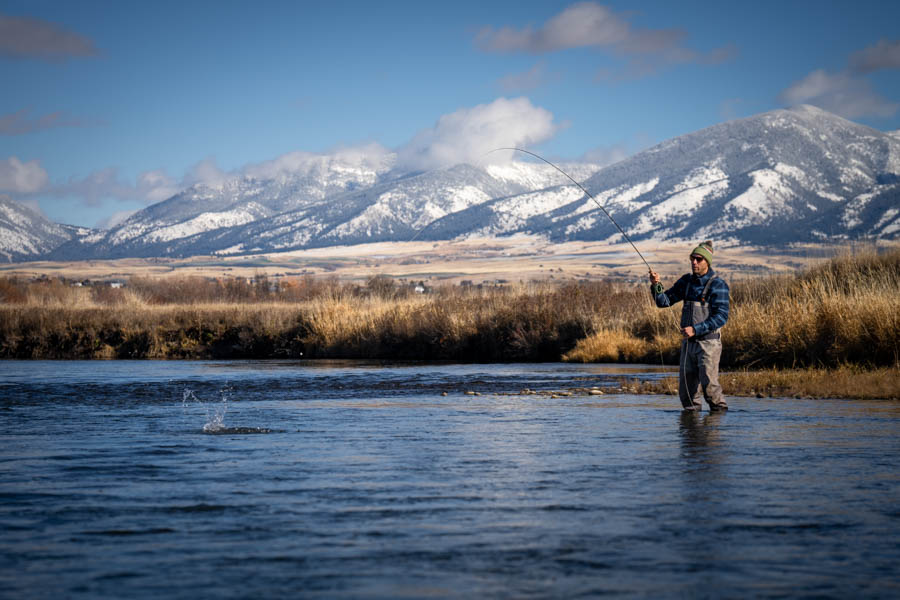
[[791, 175], [26, 234]]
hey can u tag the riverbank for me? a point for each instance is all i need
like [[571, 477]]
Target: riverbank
[[840, 313], [843, 382]]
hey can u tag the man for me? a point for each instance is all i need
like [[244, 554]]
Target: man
[[704, 312]]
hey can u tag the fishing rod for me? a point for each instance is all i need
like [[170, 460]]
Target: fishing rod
[[606, 212], [589, 195]]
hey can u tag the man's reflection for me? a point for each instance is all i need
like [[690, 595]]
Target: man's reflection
[[699, 430]]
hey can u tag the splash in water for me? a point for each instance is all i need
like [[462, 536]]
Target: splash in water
[[215, 413]]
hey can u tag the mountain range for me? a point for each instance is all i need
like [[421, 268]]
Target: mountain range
[[785, 176]]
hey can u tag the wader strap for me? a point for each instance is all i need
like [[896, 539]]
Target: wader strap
[[705, 293]]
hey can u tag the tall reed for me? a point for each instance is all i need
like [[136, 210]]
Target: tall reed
[[845, 311]]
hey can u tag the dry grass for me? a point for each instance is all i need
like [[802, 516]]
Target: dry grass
[[841, 382], [842, 312], [846, 311]]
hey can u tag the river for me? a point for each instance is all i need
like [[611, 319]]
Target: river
[[330, 479]]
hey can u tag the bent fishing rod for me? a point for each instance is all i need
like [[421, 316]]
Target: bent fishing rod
[[587, 193]]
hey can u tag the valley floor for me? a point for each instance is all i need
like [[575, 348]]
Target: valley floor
[[478, 261]]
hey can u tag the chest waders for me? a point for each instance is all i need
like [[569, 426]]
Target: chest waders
[[699, 365], [694, 312]]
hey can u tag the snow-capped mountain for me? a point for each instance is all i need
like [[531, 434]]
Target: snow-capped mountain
[[266, 190], [294, 211], [784, 176], [793, 175], [26, 234]]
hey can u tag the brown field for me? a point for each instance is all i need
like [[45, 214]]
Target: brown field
[[517, 259]]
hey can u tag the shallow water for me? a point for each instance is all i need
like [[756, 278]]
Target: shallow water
[[337, 479]]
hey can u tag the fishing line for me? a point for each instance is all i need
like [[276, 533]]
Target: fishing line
[[609, 216], [587, 193]]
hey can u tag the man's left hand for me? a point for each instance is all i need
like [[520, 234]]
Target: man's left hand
[[688, 332]]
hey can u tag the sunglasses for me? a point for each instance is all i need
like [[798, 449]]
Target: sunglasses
[[696, 259]]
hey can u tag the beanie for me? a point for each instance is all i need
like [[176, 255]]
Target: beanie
[[705, 250]]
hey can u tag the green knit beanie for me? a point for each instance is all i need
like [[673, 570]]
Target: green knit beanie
[[705, 250]]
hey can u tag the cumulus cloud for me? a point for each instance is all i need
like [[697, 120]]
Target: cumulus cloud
[[463, 136], [580, 25], [848, 93], [841, 93], [107, 184], [467, 134], [20, 122], [22, 178], [883, 55], [156, 186], [26, 37], [96, 187], [591, 25]]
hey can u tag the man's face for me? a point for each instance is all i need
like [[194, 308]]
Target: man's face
[[699, 266]]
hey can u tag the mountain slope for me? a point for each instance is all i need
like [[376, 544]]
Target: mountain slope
[[26, 234], [792, 175], [265, 190], [394, 209], [784, 176]]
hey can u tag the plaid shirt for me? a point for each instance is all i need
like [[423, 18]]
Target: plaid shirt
[[689, 287]]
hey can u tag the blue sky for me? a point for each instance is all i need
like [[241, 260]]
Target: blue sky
[[110, 106]]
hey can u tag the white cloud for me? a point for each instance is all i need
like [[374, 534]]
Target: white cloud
[[883, 55], [469, 133], [591, 25], [847, 92], [155, 186], [841, 93], [26, 37], [465, 135], [22, 178], [96, 187], [580, 25], [105, 184]]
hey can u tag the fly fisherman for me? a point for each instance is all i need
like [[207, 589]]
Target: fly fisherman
[[704, 312]]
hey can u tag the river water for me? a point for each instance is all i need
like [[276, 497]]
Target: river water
[[265, 479]]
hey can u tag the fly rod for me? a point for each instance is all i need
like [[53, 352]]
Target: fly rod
[[589, 195]]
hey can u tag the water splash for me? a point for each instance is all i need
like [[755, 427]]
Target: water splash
[[215, 413], [215, 419]]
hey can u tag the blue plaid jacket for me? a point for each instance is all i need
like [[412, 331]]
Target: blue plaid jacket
[[689, 287]]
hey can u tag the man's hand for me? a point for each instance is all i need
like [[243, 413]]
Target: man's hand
[[688, 331], [654, 277]]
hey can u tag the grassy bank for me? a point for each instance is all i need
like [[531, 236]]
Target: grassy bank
[[844, 312], [840, 382]]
